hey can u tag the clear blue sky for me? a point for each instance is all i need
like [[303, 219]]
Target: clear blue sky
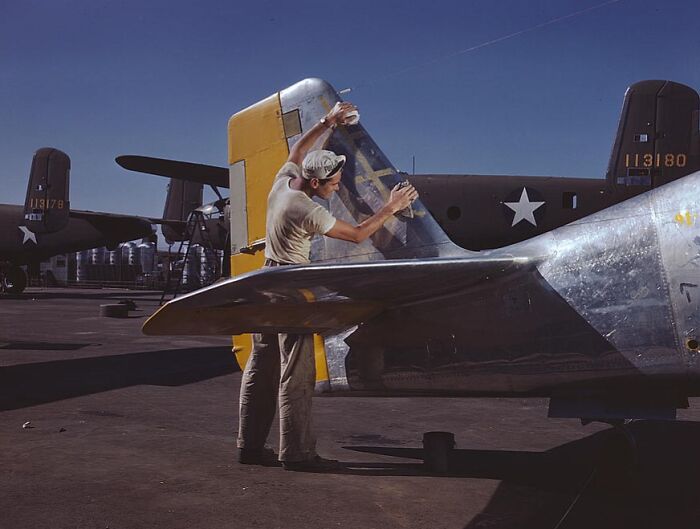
[[99, 78]]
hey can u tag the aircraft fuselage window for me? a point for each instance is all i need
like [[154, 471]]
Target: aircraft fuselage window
[[454, 212], [641, 138], [569, 200]]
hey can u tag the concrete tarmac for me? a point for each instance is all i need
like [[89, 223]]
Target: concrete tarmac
[[129, 431]]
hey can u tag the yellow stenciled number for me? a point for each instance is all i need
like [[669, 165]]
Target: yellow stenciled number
[[686, 218], [651, 160]]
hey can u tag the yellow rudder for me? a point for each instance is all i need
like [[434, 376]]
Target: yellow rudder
[[257, 147]]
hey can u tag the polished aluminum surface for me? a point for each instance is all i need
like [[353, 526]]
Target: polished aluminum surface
[[676, 208], [238, 209], [629, 271], [336, 353], [609, 269]]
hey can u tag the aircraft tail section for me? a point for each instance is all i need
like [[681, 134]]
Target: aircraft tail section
[[182, 198], [47, 205], [657, 139], [260, 138], [259, 141]]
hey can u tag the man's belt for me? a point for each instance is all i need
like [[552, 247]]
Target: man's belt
[[272, 262]]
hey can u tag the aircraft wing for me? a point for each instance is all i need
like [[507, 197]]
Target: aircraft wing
[[193, 172], [320, 297], [175, 224]]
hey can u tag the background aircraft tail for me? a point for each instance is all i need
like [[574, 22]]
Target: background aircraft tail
[[182, 198], [47, 205], [657, 139]]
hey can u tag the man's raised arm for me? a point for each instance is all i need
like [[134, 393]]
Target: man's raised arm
[[335, 117]]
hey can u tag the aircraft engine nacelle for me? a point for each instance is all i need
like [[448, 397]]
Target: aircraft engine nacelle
[[47, 208]]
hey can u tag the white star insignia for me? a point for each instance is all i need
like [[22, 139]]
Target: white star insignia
[[28, 235], [524, 209]]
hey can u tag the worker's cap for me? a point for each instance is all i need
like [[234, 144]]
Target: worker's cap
[[322, 164]]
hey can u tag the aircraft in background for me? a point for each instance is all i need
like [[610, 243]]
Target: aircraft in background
[[46, 226], [657, 141], [601, 315], [490, 211], [187, 179]]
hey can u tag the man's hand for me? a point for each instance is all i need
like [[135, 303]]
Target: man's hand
[[401, 197], [339, 114]]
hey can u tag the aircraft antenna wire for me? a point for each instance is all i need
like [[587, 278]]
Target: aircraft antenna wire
[[476, 47], [576, 499]]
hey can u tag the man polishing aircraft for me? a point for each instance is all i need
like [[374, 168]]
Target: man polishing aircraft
[[285, 362]]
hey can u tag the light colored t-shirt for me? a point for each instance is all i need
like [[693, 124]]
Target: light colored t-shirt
[[292, 219]]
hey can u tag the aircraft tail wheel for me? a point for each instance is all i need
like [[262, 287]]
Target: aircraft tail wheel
[[619, 454], [437, 451], [15, 280]]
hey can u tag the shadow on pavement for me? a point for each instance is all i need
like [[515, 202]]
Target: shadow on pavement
[[38, 383], [43, 346], [145, 295], [586, 483]]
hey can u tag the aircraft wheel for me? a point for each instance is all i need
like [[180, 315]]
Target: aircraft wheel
[[14, 281]]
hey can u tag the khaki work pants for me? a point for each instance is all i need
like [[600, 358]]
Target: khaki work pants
[[280, 366]]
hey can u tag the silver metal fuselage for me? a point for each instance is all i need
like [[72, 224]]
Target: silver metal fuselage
[[610, 302]]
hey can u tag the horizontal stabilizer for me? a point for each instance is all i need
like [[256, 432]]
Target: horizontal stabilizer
[[115, 227], [90, 215], [192, 172], [321, 298]]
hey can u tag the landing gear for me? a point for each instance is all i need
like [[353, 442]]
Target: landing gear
[[13, 280]]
